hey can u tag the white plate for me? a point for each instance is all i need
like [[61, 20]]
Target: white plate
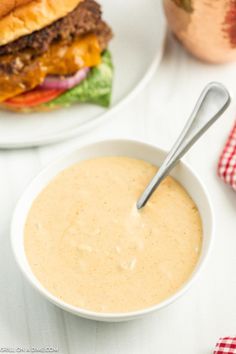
[[137, 48]]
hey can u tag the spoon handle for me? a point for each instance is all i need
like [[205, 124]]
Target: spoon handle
[[212, 103]]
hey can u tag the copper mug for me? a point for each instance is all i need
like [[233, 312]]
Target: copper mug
[[207, 28]]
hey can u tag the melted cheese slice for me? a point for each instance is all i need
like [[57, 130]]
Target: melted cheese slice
[[61, 59]]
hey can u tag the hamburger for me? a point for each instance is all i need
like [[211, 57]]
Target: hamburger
[[53, 53]]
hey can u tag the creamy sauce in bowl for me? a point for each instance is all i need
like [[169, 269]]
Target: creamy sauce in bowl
[[88, 245]]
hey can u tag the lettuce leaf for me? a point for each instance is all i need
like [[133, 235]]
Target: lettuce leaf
[[96, 88]]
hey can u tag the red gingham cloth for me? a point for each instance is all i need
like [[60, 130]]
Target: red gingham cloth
[[226, 345], [227, 162]]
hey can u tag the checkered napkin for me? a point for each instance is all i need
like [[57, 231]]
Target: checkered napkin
[[227, 162], [226, 345]]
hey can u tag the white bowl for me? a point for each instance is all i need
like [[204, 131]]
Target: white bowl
[[154, 155]]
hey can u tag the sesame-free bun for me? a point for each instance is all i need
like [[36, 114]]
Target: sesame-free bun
[[9, 5], [29, 16]]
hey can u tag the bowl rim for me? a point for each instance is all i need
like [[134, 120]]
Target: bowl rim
[[103, 316]]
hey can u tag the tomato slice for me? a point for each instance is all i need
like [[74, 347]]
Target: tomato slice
[[33, 98]]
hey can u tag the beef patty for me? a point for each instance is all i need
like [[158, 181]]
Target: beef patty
[[86, 18]]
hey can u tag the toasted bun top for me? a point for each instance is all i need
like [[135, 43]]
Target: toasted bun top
[[9, 5], [28, 16]]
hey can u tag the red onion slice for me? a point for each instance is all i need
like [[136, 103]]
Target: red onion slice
[[54, 82]]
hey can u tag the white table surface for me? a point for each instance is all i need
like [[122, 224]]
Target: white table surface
[[191, 325]]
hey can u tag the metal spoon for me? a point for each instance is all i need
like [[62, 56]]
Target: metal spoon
[[212, 103]]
